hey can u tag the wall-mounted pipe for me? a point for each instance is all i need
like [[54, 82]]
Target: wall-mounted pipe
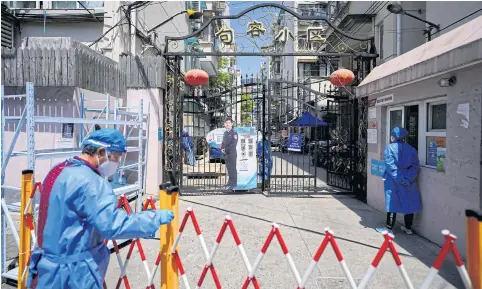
[[399, 32]]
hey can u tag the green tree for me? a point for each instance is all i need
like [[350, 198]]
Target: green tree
[[247, 105], [223, 79]]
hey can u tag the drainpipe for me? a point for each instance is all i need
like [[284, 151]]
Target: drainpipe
[[399, 32]]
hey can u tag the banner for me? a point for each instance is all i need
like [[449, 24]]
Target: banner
[[246, 163], [215, 137], [294, 142]]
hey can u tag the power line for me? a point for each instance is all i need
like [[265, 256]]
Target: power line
[[367, 17], [358, 25], [130, 6], [463, 18], [167, 14], [109, 30]]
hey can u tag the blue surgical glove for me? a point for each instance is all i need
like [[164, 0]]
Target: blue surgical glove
[[166, 216]]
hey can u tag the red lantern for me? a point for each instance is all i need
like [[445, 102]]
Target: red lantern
[[342, 77], [196, 77]]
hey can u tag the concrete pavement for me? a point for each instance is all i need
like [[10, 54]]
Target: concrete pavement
[[301, 221]]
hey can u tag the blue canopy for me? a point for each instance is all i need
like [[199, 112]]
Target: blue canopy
[[306, 119]]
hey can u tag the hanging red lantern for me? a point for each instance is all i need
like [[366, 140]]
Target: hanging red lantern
[[196, 77], [342, 77]]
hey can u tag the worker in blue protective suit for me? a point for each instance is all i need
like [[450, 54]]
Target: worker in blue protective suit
[[400, 181], [78, 211], [268, 160], [188, 147]]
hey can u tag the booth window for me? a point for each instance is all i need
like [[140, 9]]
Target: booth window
[[436, 132], [407, 117]]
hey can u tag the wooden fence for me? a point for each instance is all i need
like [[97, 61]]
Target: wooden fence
[[144, 71], [61, 67], [82, 68]]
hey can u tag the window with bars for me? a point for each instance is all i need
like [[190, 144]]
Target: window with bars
[[22, 4], [309, 69], [316, 9], [76, 4]]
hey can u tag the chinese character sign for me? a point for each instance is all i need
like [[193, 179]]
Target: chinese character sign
[[255, 28], [226, 35]]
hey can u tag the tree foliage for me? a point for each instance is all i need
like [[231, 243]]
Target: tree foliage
[[247, 104], [223, 79]]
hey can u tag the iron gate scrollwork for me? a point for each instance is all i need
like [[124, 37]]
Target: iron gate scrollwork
[[269, 104], [341, 143]]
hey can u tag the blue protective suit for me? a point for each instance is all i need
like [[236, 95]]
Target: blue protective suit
[[82, 212], [188, 146], [400, 176], [268, 159]]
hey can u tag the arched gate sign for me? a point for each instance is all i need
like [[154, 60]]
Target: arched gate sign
[[314, 133]]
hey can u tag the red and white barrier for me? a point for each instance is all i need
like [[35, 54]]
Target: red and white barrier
[[125, 204], [209, 266], [240, 247], [150, 285], [448, 246], [123, 277], [30, 222], [387, 244], [274, 232], [329, 238]]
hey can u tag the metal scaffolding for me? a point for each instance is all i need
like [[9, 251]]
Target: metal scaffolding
[[128, 118]]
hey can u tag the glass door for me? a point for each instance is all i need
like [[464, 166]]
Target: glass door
[[411, 125]]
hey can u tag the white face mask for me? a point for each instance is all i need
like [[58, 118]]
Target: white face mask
[[108, 168]]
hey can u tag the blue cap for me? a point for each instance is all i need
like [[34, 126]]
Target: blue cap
[[399, 133], [108, 138]]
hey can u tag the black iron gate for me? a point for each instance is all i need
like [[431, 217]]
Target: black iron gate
[[331, 151], [341, 143]]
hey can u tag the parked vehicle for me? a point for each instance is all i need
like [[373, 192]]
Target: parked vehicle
[[214, 139], [215, 155]]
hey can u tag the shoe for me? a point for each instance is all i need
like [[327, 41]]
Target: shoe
[[384, 229], [407, 231]]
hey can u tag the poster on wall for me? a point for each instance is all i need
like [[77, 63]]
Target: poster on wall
[[436, 147], [381, 168], [294, 142], [372, 135], [246, 162], [374, 167]]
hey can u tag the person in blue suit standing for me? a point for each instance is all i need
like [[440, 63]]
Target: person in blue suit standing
[[78, 211], [267, 162], [188, 146], [400, 181]]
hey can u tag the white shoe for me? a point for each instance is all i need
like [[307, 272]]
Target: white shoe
[[407, 231]]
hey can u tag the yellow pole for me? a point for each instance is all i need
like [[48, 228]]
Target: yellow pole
[[25, 239], [169, 201], [474, 247]]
